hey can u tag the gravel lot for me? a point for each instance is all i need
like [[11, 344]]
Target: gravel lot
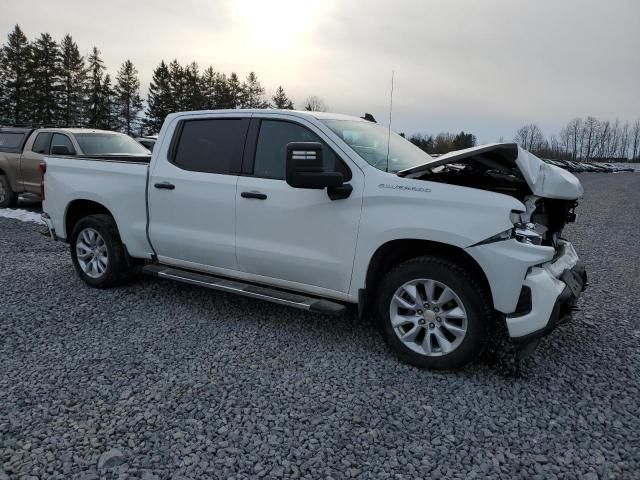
[[159, 380]]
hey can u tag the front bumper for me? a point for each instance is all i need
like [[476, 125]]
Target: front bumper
[[550, 293]]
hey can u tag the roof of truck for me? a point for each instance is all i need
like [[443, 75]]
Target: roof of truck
[[297, 113], [76, 130]]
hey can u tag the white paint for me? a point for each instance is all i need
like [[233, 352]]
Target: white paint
[[20, 214], [298, 238]]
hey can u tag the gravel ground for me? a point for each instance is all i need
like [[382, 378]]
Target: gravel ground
[[159, 380]]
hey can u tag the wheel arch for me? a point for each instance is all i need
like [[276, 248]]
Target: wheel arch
[[80, 208], [394, 252]]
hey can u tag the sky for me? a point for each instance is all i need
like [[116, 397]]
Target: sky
[[482, 66]]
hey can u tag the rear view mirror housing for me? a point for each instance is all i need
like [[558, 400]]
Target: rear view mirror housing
[[305, 167]]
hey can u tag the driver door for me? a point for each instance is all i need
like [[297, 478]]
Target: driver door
[[294, 236]]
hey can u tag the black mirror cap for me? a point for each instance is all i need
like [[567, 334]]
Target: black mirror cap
[[60, 150], [305, 167]]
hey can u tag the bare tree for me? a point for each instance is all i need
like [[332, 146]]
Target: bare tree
[[589, 134], [635, 140], [623, 147], [530, 137], [315, 104]]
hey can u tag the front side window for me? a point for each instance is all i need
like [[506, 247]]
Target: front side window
[[41, 145], [62, 140], [211, 146], [386, 151], [109, 144], [271, 149]]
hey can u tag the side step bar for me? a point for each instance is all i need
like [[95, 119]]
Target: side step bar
[[247, 289]]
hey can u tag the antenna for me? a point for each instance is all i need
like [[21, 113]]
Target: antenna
[[390, 110]]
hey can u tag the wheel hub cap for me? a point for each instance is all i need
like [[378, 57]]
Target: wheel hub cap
[[91, 252], [428, 317]]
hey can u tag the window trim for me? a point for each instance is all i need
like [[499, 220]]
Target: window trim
[[74, 152], [236, 161], [249, 160]]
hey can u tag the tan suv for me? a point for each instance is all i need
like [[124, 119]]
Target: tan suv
[[23, 149]]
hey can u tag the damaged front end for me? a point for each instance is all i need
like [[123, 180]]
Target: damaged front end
[[549, 194], [550, 275]]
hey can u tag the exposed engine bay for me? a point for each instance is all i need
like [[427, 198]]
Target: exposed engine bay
[[507, 169]]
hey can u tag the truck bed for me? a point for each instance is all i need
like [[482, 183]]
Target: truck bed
[[117, 182]]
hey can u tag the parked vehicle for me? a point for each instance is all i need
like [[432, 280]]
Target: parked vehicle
[[23, 149], [318, 211], [148, 142]]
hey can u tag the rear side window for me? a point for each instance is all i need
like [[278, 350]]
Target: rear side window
[[271, 149], [11, 140], [41, 145], [211, 146], [59, 139]]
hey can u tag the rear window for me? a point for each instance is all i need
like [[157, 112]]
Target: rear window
[[11, 140], [211, 146], [109, 144]]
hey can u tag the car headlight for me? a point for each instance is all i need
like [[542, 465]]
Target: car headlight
[[525, 233]]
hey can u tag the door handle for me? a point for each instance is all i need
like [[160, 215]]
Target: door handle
[[256, 195], [165, 186]]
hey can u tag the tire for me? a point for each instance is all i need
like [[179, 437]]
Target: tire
[[8, 198], [106, 244], [449, 328]]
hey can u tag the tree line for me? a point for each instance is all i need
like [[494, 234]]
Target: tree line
[[586, 139], [43, 82], [442, 142]]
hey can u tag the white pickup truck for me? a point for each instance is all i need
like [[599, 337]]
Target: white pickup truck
[[318, 211]]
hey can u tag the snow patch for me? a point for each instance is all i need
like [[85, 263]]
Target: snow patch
[[22, 215]]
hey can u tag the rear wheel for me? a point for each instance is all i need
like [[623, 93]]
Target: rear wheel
[[8, 198], [98, 253], [433, 313]]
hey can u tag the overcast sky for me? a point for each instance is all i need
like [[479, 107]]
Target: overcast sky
[[484, 66]]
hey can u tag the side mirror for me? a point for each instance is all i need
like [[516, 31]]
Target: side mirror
[[305, 168], [61, 150]]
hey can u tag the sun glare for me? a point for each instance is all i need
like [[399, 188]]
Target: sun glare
[[277, 25]]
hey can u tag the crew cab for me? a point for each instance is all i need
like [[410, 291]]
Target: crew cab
[[23, 149], [318, 211]]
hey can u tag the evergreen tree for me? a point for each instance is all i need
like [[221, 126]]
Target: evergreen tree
[[223, 95], [234, 91], [127, 97], [159, 99], [45, 71], [176, 82], [193, 98], [252, 93], [107, 114], [15, 80], [74, 77], [281, 101], [95, 107], [208, 86]]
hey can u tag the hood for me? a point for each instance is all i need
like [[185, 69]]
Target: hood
[[544, 180]]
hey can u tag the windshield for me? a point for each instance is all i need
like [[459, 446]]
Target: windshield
[[109, 143], [369, 140]]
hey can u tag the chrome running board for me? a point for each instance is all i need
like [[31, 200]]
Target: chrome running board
[[281, 297]]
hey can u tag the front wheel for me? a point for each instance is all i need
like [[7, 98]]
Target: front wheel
[[433, 313], [98, 253]]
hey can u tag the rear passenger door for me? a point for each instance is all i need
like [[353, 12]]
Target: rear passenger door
[[294, 237], [32, 156], [192, 192]]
